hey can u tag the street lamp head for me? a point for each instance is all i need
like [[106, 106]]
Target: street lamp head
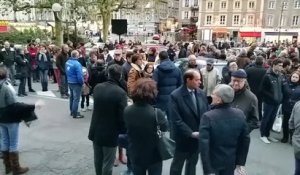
[[56, 7]]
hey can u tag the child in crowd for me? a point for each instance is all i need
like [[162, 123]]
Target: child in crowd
[[85, 93]]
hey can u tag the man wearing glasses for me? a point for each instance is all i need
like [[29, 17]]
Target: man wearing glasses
[[272, 98], [117, 58], [244, 99]]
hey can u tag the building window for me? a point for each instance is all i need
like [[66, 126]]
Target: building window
[[250, 19], [271, 4], [186, 4], [237, 4], [295, 21], [270, 20], [186, 15], [209, 20], [283, 21], [251, 4], [222, 20], [209, 5], [194, 14], [285, 5], [223, 5], [297, 4], [196, 3], [236, 19]]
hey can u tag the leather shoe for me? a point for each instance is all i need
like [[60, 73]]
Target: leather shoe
[[31, 90]]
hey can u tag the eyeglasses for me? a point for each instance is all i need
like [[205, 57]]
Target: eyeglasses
[[117, 54]]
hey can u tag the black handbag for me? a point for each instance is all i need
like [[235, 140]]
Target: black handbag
[[166, 146]]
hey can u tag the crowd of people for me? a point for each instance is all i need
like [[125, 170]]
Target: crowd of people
[[134, 90]]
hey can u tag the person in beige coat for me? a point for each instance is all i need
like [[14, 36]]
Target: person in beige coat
[[210, 77], [135, 72]]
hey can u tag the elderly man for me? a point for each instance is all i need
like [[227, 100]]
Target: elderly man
[[187, 104], [210, 77], [117, 58], [8, 57], [61, 60], [224, 140], [244, 99], [192, 64], [75, 81]]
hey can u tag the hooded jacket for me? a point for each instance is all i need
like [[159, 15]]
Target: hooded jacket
[[168, 78]]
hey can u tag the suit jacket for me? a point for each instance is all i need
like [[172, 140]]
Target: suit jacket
[[185, 118], [224, 139], [107, 121]]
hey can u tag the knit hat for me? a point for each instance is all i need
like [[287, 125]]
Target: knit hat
[[225, 92], [239, 74]]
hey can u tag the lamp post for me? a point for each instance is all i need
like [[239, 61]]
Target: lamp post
[[56, 8]]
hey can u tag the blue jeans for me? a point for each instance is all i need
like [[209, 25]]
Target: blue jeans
[[44, 79], [10, 136], [268, 119], [75, 93], [44, 75]]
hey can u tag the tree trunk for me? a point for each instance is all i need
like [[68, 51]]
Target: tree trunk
[[106, 17], [58, 31]]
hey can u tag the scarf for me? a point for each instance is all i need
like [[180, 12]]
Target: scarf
[[44, 57]]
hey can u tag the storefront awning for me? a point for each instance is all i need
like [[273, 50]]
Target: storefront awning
[[220, 30], [282, 33], [3, 29], [250, 34]]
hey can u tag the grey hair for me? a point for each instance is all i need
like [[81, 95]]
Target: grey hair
[[74, 54], [225, 92]]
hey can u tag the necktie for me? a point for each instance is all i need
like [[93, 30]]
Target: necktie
[[194, 99]]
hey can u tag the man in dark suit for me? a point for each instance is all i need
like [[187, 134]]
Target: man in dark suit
[[187, 104], [224, 139], [107, 120]]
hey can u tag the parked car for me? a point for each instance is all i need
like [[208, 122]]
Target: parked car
[[201, 62]]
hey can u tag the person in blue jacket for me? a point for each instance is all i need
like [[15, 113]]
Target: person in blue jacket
[[75, 81]]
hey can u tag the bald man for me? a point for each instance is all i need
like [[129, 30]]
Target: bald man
[[7, 58], [192, 64]]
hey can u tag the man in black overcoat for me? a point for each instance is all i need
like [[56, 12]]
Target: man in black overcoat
[[187, 104], [107, 120]]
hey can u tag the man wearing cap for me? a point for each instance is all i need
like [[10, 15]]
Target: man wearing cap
[[244, 99], [224, 138], [210, 77]]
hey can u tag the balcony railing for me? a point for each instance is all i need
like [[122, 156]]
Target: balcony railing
[[195, 7], [194, 19]]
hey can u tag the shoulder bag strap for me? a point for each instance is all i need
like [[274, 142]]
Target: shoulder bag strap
[[158, 131]]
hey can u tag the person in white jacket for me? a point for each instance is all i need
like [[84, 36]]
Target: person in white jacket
[[210, 77]]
